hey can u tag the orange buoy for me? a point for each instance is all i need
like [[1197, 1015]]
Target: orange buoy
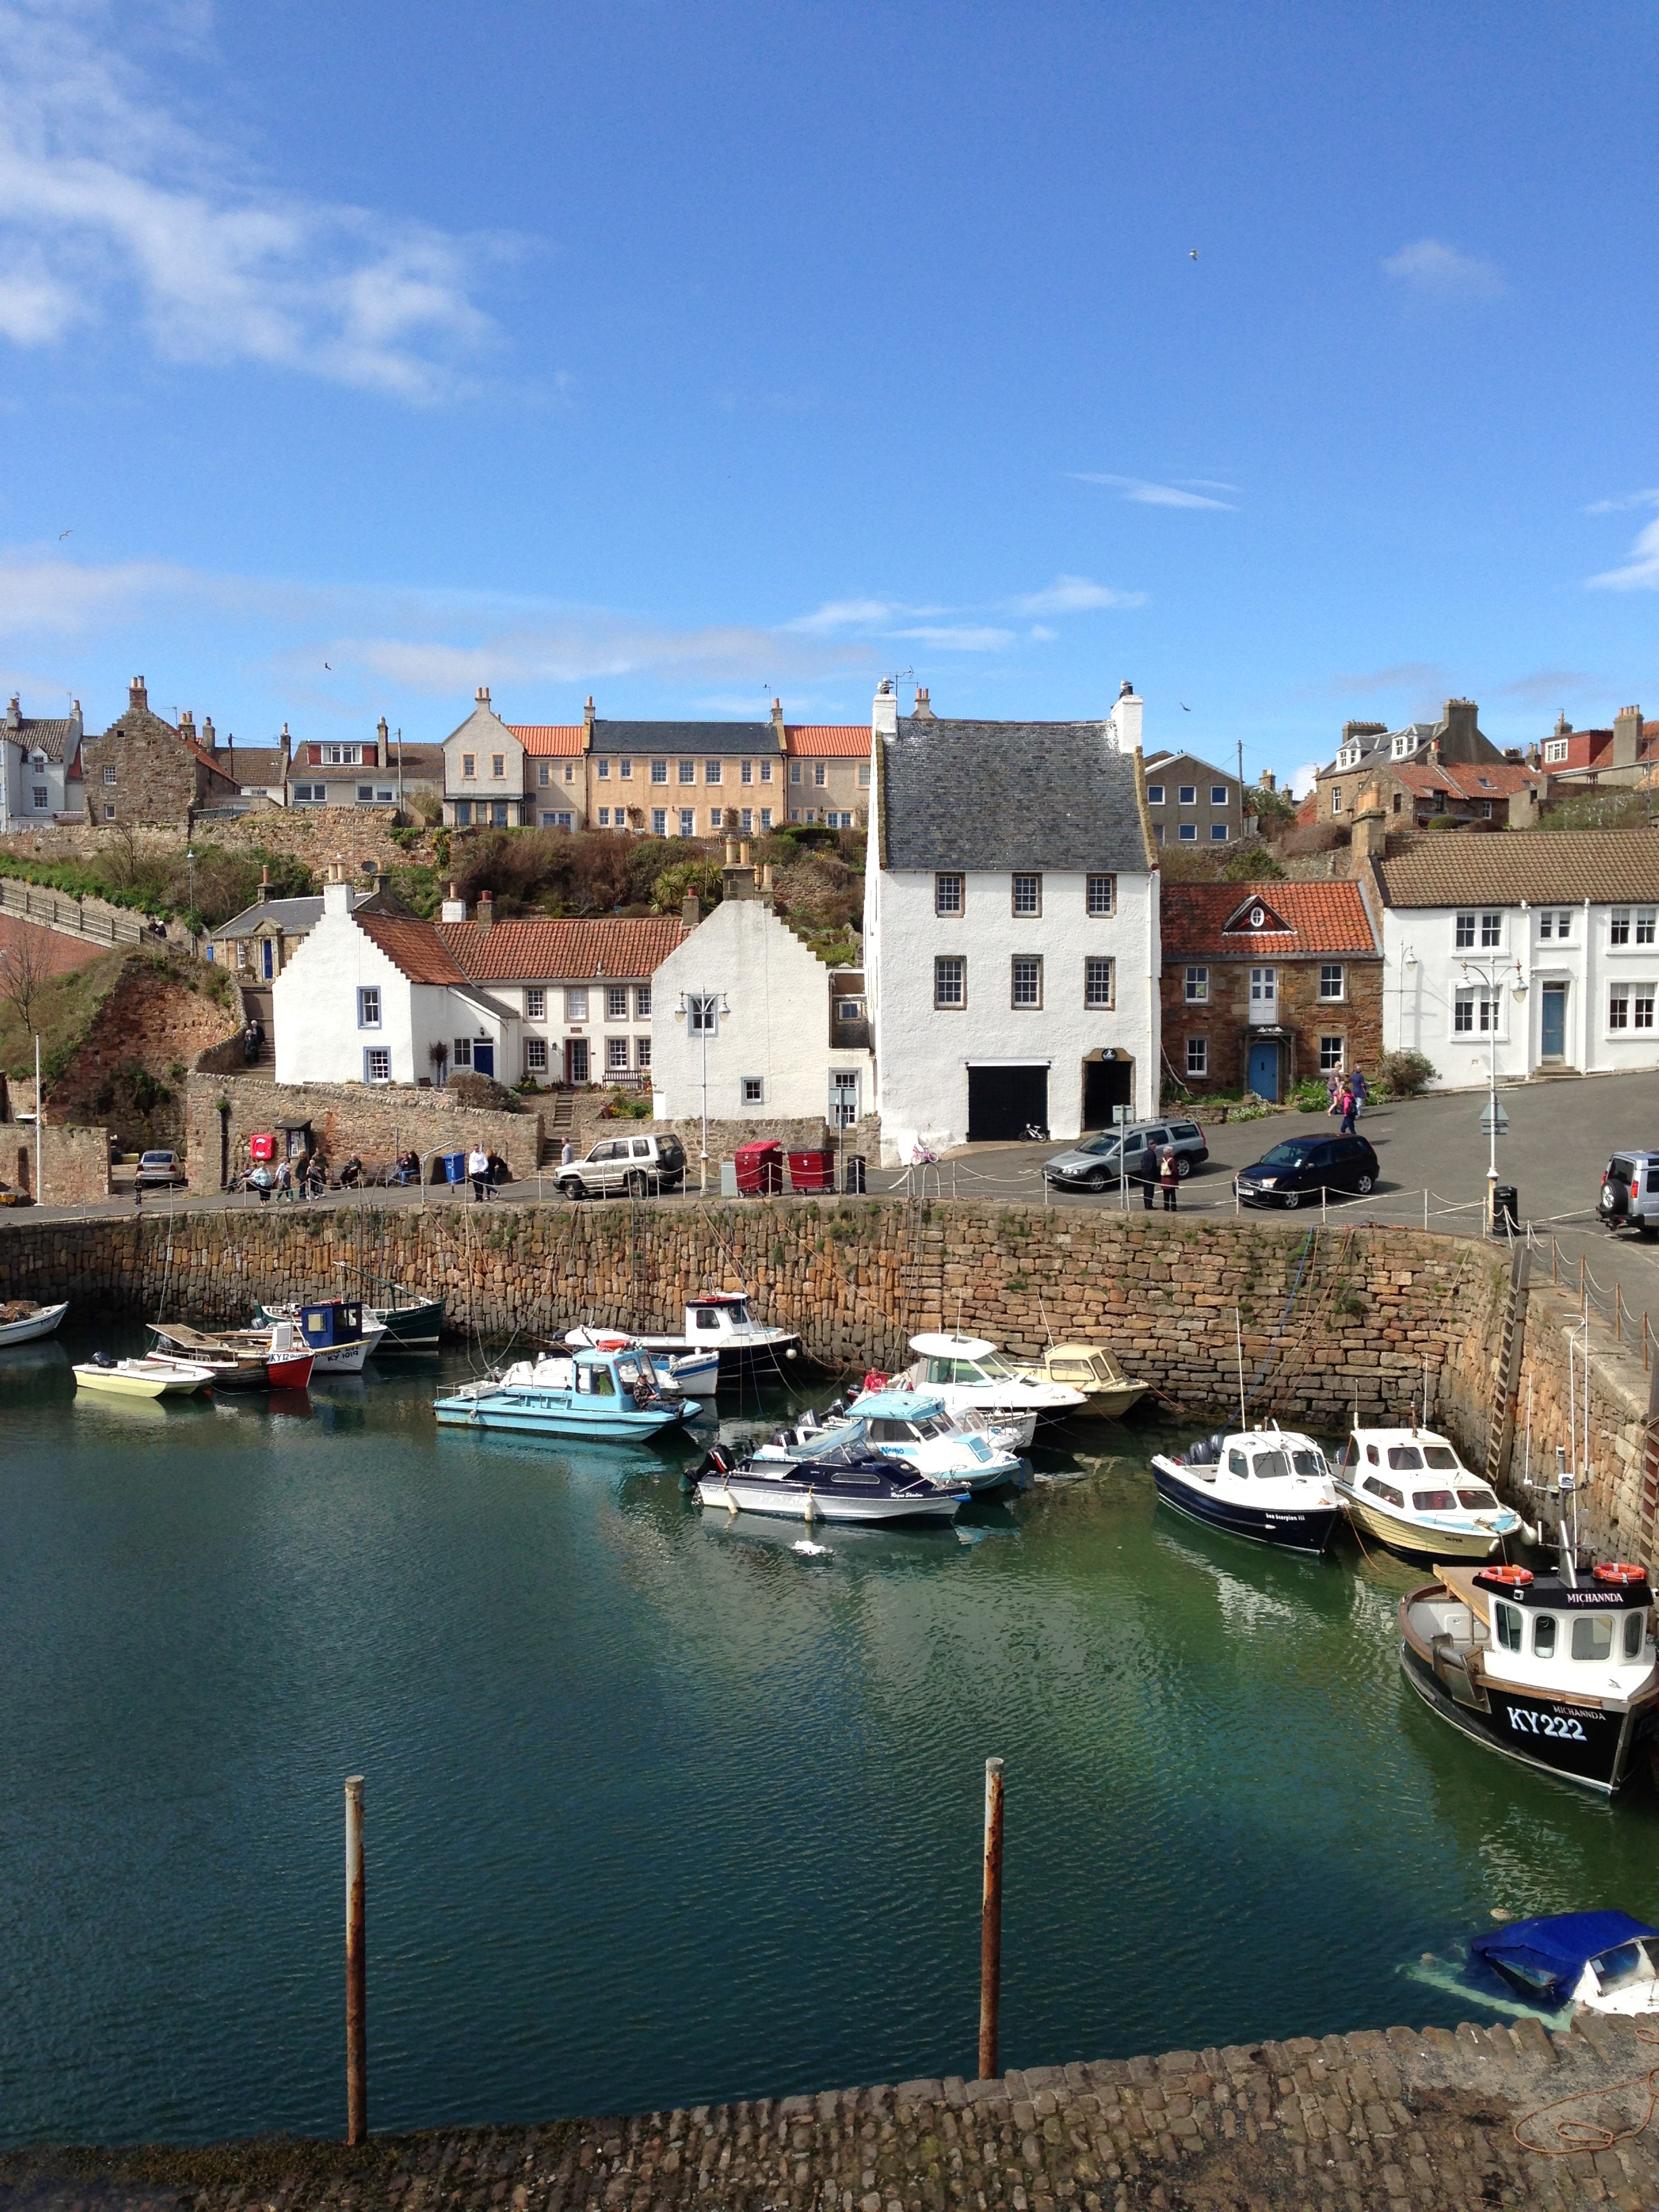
[[1512, 1577], [1620, 1572]]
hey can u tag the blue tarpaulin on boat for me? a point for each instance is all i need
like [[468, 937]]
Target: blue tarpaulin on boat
[[1555, 1950], [898, 1406]]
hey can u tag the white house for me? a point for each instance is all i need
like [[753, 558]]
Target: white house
[[1543, 944], [743, 1005], [1011, 915], [367, 996], [40, 767]]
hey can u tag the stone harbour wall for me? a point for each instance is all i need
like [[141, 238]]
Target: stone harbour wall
[[1617, 1494], [1370, 2121]]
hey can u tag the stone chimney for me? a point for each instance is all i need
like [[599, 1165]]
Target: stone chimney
[[884, 714], [486, 910], [767, 891], [737, 876], [14, 713], [1354, 731], [382, 883], [187, 724], [1460, 731], [690, 910], [1269, 781], [76, 726], [481, 696], [287, 744], [454, 906], [777, 719], [588, 718], [1523, 808], [1123, 723], [337, 892], [1367, 834], [264, 881], [382, 739], [1627, 737], [138, 696], [209, 736], [923, 709]]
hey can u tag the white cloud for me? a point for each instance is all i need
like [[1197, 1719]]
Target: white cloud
[[1070, 595], [1190, 492], [1042, 634], [157, 224], [962, 638], [1623, 505], [842, 614], [1303, 779], [1641, 572], [1439, 271]]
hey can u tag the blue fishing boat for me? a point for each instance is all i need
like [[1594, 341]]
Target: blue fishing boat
[[606, 1393]]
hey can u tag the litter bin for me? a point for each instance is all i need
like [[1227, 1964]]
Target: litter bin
[[760, 1167], [453, 1166], [811, 1170], [1505, 1210], [852, 1179]]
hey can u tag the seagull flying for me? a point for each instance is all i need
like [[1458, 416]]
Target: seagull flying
[[1193, 256], [62, 535], [1184, 707]]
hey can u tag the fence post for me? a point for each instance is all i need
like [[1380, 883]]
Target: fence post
[[356, 1979], [990, 1926]]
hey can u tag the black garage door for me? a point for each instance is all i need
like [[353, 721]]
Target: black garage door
[[1002, 1100], [1106, 1085]]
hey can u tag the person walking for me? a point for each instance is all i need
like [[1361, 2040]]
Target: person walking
[[1349, 1110], [1356, 1084], [478, 1167], [1170, 1175], [1333, 1088]]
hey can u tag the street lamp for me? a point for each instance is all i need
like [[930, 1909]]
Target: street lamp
[[1494, 1121], [701, 1011]]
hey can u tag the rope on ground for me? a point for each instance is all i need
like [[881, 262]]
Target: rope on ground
[[1573, 2134]]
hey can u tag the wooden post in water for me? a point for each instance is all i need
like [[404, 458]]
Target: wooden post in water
[[990, 1926], [356, 1975]]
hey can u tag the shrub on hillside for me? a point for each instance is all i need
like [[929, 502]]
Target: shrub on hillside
[[482, 1091]]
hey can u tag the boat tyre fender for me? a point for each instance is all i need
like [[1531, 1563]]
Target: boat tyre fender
[[1621, 1573]]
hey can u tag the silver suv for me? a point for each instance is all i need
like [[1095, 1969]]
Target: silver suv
[[1101, 1159], [1630, 1192], [634, 1164]]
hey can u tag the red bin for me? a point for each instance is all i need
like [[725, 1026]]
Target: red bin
[[811, 1170], [263, 1146], [760, 1167]]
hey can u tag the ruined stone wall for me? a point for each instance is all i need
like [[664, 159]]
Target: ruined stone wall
[[130, 1068], [374, 1120], [76, 1162]]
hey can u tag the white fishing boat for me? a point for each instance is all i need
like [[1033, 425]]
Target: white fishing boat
[[971, 1375], [688, 1372], [842, 1481], [1271, 1485], [720, 1323], [154, 1376], [21, 1321], [1408, 1488], [914, 1426]]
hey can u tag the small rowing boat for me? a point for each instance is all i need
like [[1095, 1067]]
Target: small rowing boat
[[21, 1321], [153, 1376]]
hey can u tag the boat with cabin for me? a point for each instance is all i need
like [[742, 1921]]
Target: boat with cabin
[[901, 1425], [844, 1480], [409, 1323], [1273, 1486], [1107, 1392], [688, 1372], [1408, 1488], [721, 1322], [1556, 1670], [609, 1394], [971, 1375], [154, 1375], [22, 1321]]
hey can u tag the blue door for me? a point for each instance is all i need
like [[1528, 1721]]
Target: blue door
[[483, 1059], [268, 959], [1552, 1034], [1264, 1070]]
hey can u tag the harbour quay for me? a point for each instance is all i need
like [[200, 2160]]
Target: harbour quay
[[1399, 2120]]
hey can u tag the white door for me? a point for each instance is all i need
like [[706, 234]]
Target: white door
[[1264, 994]]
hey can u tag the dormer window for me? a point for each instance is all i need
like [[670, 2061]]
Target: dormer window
[[1555, 750]]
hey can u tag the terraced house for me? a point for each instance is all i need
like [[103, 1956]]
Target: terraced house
[[40, 767]]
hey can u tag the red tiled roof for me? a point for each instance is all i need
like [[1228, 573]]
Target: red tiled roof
[[1476, 780], [541, 737], [1310, 918], [414, 948], [827, 740], [562, 952]]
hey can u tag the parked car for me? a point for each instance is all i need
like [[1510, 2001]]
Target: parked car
[[1630, 1192], [634, 1164], [1098, 1160], [1302, 1167], [159, 1168]]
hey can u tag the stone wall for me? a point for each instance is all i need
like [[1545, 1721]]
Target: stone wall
[[1223, 1019], [1619, 1478], [131, 1066], [76, 1162], [375, 1121]]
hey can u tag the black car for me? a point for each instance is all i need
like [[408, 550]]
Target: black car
[[1302, 1167]]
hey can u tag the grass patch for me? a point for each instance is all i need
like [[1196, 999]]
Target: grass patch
[[63, 1010]]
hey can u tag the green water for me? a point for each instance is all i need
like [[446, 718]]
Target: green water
[[661, 1810]]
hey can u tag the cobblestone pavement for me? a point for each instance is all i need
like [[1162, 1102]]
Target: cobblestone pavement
[[1395, 2122]]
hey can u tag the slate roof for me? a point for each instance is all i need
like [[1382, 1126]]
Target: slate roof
[[827, 740], [995, 795], [51, 735], [541, 739], [562, 952], [414, 948], [1539, 866], [292, 916], [1311, 919], [253, 763], [725, 738]]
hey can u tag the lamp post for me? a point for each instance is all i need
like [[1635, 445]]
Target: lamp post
[[1494, 1121], [701, 1011]]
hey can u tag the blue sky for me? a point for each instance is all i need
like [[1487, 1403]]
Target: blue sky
[[685, 353]]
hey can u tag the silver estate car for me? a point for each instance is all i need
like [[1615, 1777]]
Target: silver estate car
[[1101, 1159]]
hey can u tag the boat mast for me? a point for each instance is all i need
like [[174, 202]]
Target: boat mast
[[1238, 1347]]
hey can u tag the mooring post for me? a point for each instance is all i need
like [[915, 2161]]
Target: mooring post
[[356, 1976], [990, 1926]]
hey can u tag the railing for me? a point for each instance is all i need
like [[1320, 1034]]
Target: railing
[[53, 910], [1595, 1302]]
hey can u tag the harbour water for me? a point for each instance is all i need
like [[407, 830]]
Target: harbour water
[[664, 1808]]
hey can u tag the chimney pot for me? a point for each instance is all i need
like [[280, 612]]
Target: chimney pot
[[481, 695], [690, 910]]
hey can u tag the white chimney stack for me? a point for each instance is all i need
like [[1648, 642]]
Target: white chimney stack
[[883, 715], [1123, 723]]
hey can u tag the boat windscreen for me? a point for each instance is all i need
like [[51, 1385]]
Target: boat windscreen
[[1405, 1457], [992, 1368], [1434, 1501], [1269, 1466], [1478, 1500], [1309, 1462], [1441, 1457], [1618, 1969]]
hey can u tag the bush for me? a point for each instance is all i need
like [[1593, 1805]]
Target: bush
[[1248, 864], [470, 1089], [1401, 1075], [1310, 1097]]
